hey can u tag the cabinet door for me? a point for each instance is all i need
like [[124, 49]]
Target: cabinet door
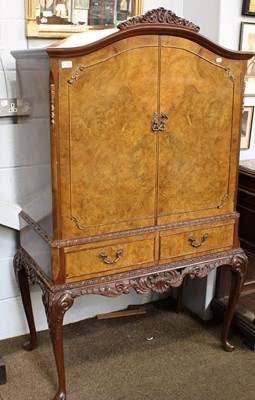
[[197, 94], [111, 170]]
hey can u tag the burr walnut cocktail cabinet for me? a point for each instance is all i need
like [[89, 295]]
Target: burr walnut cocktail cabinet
[[134, 135]]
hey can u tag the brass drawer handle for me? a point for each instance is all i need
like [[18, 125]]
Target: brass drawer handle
[[159, 127], [104, 256], [192, 240]]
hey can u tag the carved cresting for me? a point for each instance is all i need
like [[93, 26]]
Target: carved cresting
[[158, 16]]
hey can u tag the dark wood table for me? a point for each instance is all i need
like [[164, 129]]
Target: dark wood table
[[2, 372], [244, 317]]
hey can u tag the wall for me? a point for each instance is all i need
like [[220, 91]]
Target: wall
[[173, 5], [213, 18], [13, 167], [205, 14], [222, 23], [12, 34], [229, 36]]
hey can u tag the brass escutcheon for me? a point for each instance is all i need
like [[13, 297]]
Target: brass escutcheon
[[162, 125]]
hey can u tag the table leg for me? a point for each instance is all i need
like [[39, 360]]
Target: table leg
[[56, 305], [179, 307], [238, 270], [22, 277]]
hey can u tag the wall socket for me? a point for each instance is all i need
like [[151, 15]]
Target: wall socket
[[11, 107]]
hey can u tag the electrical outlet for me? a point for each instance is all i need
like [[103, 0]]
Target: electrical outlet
[[10, 107], [13, 108]]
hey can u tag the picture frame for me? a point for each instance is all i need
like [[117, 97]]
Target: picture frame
[[247, 43], [54, 30], [246, 127], [248, 7], [81, 4]]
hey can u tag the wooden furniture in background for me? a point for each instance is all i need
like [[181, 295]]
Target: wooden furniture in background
[[244, 317], [2, 372], [143, 157]]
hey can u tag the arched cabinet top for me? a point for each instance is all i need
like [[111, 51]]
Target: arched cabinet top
[[155, 22]]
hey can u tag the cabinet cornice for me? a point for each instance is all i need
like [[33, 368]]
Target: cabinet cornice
[[61, 50]]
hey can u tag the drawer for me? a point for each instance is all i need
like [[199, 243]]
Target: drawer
[[196, 242], [98, 260]]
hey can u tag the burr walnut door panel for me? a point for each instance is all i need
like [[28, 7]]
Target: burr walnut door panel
[[111, 171], [197, 95]]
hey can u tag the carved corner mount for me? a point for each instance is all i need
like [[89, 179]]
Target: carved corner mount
[[22, 260], [56, 305], [240, 267], [158, 16]]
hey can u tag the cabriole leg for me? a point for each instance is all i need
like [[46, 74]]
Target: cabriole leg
[[238, 270], [56, 305], [22, 277], [179, 307]]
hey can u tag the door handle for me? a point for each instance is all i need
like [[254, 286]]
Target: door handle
[[104, 256], [193, 243]]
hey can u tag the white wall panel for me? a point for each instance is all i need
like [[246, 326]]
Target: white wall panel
[[13, 139], [173, 5], [12, 37], [3, 85], [8, 242], [19, 187], [205, 14], [9, 214], [15, 324], [8, 284], [14, 9]]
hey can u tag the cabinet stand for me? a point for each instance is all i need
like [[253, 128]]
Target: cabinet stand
[[58, 299]]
